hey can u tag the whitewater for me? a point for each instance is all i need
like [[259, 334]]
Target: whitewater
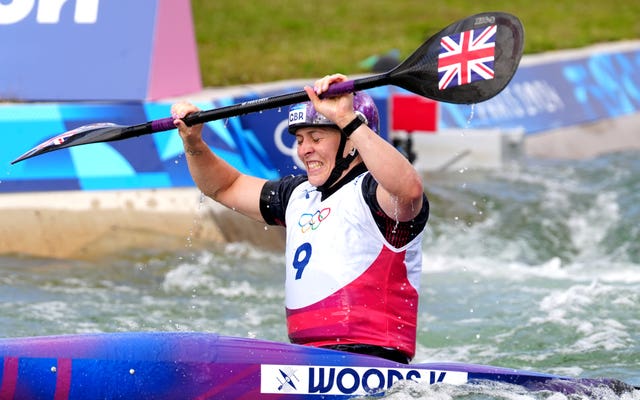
[[533, 266]]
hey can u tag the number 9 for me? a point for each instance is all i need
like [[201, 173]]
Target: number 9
[[301, 258]]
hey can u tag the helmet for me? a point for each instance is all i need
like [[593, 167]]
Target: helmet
[[303, 115]]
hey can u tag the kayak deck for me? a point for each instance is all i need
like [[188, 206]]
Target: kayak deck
[[167, 365]]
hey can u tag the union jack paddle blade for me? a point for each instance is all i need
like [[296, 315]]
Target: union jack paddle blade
[[467, 57], [470, 61]]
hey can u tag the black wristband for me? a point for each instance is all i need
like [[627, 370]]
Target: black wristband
[[353, 125]]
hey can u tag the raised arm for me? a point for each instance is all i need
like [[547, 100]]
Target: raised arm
[[400, 191], [215, 177]]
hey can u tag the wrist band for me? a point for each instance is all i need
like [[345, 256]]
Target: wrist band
[[353, 125]]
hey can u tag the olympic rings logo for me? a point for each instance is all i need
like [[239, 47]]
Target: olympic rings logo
[[309, 221]]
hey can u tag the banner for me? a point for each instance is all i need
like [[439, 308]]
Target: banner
[[57, 50]]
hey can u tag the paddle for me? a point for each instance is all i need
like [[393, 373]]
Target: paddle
[[486, 46]]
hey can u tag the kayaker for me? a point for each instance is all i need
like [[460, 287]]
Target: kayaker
[[354, 223]]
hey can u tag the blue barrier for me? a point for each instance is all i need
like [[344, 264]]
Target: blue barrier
[[256, 144], [151, 161]]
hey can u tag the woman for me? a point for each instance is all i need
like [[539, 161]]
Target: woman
[[354, 223]]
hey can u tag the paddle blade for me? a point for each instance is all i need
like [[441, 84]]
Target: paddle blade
[[469, 61], [99, 132]]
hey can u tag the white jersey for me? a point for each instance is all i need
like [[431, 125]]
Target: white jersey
[[345, 283]]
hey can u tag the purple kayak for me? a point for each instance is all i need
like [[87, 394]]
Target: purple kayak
[[163, 365]]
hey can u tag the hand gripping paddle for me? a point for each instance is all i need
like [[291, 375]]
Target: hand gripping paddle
[[468, 62]]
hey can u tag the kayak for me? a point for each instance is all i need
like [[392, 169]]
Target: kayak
[[193, 365]]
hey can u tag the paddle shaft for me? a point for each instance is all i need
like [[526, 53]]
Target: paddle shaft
[[261, 104], [418, 74]]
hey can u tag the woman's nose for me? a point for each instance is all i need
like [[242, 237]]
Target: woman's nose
[[304, 147]]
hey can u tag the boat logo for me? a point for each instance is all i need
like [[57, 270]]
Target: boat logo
[[286, 382]]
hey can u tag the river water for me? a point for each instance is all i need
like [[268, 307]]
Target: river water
[[535, 266]]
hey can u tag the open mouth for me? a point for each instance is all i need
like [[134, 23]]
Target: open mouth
[[313, 165]]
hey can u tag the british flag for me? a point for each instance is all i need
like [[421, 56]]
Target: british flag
[[466, 57]]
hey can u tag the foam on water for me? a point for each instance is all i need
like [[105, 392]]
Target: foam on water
[[190, 277], [408, 390], [536, 268]]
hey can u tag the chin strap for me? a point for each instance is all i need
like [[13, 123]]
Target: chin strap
[[342, 163]]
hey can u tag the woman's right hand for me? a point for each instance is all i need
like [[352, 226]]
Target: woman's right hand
[[189, 134]]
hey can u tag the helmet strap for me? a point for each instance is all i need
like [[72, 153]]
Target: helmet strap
[[342, 163]]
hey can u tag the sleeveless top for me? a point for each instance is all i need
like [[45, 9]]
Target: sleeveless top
[[345, 282]]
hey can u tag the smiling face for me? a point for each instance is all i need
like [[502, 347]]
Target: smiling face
[[317, 147]]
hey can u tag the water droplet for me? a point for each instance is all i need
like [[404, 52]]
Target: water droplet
[[471, 112], [54, 369], [396, 212], [132, 371]]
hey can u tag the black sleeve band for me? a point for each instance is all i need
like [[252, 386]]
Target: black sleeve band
[[397, 233], [274, 198]]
